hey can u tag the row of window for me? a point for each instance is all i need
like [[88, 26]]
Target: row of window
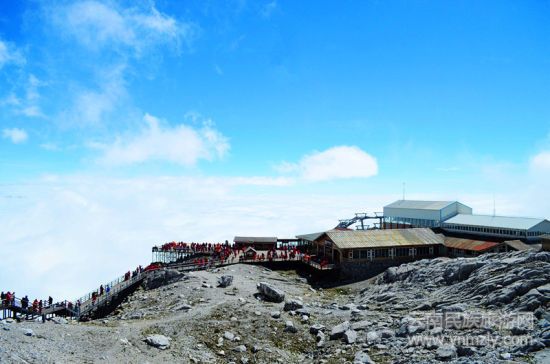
[[478, 229], [390, 253], [414, 222]]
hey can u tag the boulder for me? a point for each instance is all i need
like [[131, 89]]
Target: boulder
[[225, 281], [158, 341], [240, 349], [229, 336], [360, 325], [293, 305], [362, 358], [275, 314], [446, 352], [289, 327], [161, 277], [320, 338], [373, 337], [350, 336], [303, 312], [338, 331], [270, 293], [314, 329]]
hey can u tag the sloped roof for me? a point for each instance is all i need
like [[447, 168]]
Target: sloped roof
[[350, 239], [255, 239], [519, 245], [420, 205], [310, 237], [468, 244], [505, 222]]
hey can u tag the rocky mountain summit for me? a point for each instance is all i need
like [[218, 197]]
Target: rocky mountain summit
[[487, 309]]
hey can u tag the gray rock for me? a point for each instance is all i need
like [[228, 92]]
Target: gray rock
[[229, 336], [303, 312], [505, 356], [446, 352], [387, 333], [161, 277], [289, 327], [314, 329], [465, 351], [59, 320], [337, 331], [27, 332], [360, 325], [347, 307], [320, 338], [225, 281], [183, 307], [350, 336], [293, 305], [373, 337], [362, 358], [256, 348], [240, 349], [275, 314], [270, 293], [158, 341]]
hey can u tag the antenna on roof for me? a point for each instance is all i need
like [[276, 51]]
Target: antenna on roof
[[403, 190], [494, 206]]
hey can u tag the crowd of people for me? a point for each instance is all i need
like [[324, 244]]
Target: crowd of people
[[106, 290], [35, 307], [192, 247]]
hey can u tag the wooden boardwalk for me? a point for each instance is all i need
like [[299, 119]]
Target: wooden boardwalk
[[121, 287]]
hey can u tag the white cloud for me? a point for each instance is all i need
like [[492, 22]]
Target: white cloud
[[16, 135], [341, 162], [9, 54], [180, 144], [90, 107], [81, 223], [540, 162], [97, 24]]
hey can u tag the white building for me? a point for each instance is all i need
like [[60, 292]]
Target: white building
[[423, 213], [501, 227]]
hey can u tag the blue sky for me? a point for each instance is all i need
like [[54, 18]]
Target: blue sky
[[266, 117]]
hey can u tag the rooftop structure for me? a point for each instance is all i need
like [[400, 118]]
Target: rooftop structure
[[355, 246], [502, 227], [353, 239], [411, 213]]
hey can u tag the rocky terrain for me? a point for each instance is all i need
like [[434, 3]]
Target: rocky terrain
[[249, 314]]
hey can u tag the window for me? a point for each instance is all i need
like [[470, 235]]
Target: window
[[356, 254], [370, 254], [364, 254]]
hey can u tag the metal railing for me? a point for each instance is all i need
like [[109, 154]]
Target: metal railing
[[87, 303]]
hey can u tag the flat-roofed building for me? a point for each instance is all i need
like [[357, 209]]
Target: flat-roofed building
[[498, 227], [413, 213]]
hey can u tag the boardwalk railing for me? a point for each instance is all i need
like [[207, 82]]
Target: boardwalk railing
[[87, 303]]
